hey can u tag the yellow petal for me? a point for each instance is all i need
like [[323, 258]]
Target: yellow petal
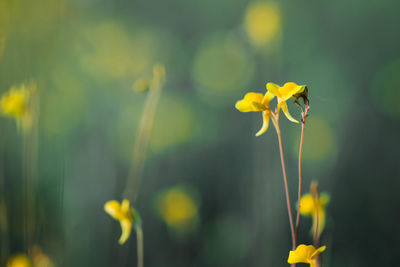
[[264, 127], [113, 208], [273, 89], [307, 204], [126, 227], [290, 89], [246, 104], [267, 98], [301, 254], [285, 110], [318, 251], [125, 209]]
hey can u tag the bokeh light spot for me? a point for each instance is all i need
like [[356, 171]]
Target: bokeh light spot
[[175, 123], [222, 66], [262, 22], [320, 142]]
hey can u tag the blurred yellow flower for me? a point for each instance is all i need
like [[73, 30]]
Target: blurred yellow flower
[[178, 208], [262, 22], [310, 206], [15, 102], [257, 102], [19, 260], [122, 213], [305, 254], [283, 93], [18, 103]]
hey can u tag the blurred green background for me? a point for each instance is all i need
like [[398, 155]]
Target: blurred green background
[[86, 54]]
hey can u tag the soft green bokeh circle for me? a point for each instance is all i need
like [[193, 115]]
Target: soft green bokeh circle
[[222, 67]]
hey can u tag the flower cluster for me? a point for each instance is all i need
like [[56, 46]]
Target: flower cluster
[[310, 204], [257, 102]]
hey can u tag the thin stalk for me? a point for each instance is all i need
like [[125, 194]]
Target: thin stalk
[[3, 213], [142, 140], [139, 240], [303, 124], [289, 207]]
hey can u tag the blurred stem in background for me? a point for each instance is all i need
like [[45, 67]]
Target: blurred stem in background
[[22, 104], [30, 166], [4, 18], [139, 240], [3, 214], [154, 87], [316, 233]]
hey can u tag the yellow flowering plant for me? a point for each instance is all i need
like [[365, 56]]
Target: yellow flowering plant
[[313, 204], [126, 216], [257, 102]]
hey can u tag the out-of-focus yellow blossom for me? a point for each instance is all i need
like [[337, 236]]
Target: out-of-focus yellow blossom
[[262, 22], [19, 260], [305, 254], [19, 103], [257, 102], [310, 206], [122, 213], [15, 103], [177, 208], [288, 90]]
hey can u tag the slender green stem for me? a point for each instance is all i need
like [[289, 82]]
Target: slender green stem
[[289, 207], [3, 213], [139, 239], [142, 139], [303, 123]]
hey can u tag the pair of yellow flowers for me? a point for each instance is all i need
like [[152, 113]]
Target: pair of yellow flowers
[[260, 103], [256, 102]]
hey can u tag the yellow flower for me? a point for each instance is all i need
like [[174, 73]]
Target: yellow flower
[[178, 208], [14, 103], [283, 93], [257, 102], [262, 22], [305, 254], [123, 214], [315, 208], [19, 260]]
